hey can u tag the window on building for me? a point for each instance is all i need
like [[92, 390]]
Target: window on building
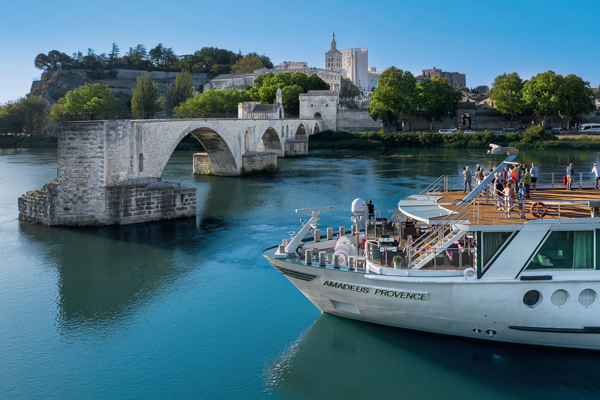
[[565, 250], [141, 162]]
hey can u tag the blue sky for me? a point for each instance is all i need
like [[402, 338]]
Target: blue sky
[[479, 38]]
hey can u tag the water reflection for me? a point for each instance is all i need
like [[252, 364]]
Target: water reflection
[[106, 274], [338, 358]]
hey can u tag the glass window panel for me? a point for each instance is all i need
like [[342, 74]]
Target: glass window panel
[[492, 241], [565, 250]]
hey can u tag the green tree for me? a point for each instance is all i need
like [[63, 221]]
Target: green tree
[[145, 100], [247, 64], [395, 96], [211, 101], [28, 115], [211, 59], [290, 98], [542, 94], [266, 85], [113, 56], [437, 99], [179, 93], [52, 61], [86, 99], [348, 89], [575, 98], [507, 94]]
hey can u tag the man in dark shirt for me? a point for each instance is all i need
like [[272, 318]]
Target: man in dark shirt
[[371, 209]]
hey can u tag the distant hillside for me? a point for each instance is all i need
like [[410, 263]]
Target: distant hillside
[[120, 81]]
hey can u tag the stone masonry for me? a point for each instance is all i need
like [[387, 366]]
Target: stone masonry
[[100, 164], [147, 199], [258, 160]]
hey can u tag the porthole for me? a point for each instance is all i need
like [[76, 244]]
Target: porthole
[[532, 299], [587, 298], [560, 298]]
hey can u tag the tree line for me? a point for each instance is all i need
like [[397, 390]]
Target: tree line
[[95, 101], [545, 94], [399, 96], [160, 58]]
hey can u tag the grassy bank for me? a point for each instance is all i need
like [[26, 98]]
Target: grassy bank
[[32, 142], [533, 138]]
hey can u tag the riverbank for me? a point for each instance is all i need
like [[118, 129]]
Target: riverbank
[[533, 138], [31, 142]]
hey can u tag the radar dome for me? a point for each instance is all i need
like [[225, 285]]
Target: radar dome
[[359, 207]]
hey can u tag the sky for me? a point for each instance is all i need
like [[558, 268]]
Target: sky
[[481, 39]]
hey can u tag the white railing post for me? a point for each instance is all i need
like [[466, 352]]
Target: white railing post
[[553, 180]]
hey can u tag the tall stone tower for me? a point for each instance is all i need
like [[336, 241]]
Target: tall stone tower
[[333, 58]]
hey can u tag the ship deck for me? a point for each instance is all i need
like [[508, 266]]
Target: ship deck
[[488, 210]]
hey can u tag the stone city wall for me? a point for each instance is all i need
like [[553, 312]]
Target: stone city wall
[[356, 120]]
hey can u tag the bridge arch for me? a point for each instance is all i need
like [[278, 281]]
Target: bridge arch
[[270, 142], [218, 150], [316, 129], [301, 133]]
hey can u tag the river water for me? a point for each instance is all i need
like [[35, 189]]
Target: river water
[[190, 308]]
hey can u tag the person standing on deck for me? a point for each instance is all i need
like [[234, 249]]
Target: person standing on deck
[[499, 190], [478, 175], [526, 180], [371, 210], [521, 194], [467, 174], [596, 172], [534, 174], [570, 173], [509, 194]]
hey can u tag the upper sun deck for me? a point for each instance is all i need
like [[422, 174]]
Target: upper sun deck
[[489, 209]]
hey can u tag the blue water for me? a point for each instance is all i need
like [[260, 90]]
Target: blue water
[[190, 309]]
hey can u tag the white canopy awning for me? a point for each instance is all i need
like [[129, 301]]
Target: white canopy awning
[[423, 208]]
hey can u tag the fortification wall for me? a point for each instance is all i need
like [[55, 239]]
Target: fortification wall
[[356, 120]]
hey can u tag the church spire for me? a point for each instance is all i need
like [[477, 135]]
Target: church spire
[[333, 46]]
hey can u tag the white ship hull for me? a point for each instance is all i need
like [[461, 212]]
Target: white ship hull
[[452, 305]]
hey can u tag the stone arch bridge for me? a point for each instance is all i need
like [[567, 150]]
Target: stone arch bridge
[[109, 172]]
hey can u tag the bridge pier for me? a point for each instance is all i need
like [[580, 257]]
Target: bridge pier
[[109, 172]]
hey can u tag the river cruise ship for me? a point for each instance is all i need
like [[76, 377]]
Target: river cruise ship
[[460, 263]]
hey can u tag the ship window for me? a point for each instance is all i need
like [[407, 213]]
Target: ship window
[[565, 250], [491, 243]]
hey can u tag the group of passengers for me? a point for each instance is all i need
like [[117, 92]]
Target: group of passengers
[[506, 186]]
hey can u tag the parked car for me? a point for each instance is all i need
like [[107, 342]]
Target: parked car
[[556, 129], [468, 131], [509, 129], [451, 130]]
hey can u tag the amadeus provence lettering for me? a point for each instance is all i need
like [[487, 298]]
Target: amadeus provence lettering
[[378, 292]]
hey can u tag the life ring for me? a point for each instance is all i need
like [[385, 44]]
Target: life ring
[[427, 246], [537, 205]]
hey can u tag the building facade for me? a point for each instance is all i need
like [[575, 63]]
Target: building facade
[[355, 63], [333, 58], [454, 78]]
